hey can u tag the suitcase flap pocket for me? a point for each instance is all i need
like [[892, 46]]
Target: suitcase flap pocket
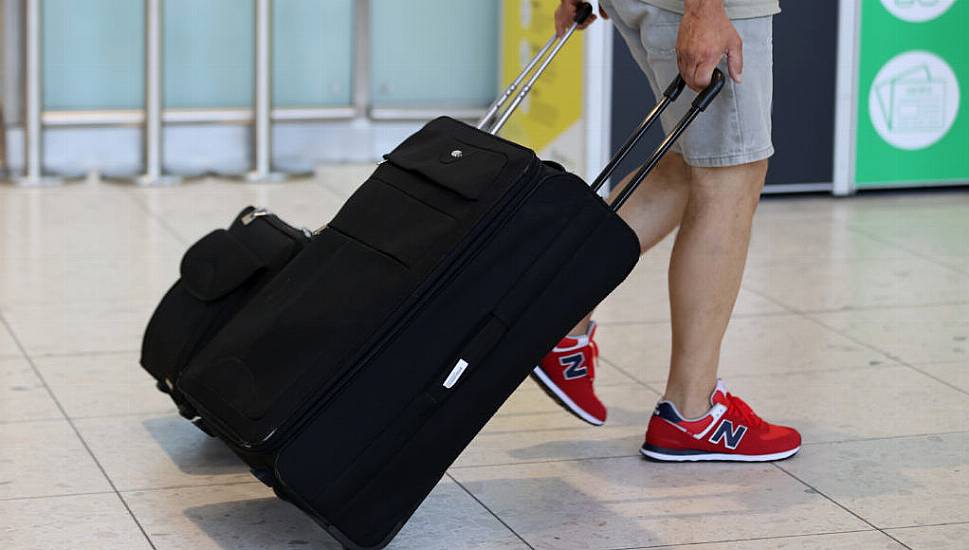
[[216, 265], [447, 161], [288, 349], [396, 224]]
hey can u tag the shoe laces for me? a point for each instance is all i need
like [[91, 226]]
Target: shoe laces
[[744, 410], [593, 357]]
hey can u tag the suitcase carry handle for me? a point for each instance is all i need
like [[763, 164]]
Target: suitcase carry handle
[[554, 44], [700, 103]]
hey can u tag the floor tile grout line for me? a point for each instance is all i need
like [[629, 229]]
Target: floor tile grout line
[[752, 539], [933, 377], [559, 429], [886, 438], [635, 379], [812, 317], [904, 248], [667, 320], [943, 524], [838, 504], [73, 426], [791, 311], [636, 455], [60, 495], [889, 355], [923, 305], [490, 511], [826, 370], [43, 420], [156, 217], [170, 412], [137, 490], [193, 486], [88, 353]]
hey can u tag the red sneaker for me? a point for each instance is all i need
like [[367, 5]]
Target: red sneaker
[[730, 431], [566, 375]]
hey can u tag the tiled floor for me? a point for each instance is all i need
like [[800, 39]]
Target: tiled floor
[[853, 325]]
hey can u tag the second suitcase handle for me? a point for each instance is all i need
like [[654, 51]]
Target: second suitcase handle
[[700, 103], [672, 92]]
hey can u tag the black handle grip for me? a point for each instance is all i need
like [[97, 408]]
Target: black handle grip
[[582, 13], [675, 88], [704, 98]]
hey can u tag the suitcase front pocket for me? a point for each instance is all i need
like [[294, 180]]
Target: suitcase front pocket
[[258, 374]]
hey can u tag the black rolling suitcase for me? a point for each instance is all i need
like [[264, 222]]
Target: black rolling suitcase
[[220, 273], [357, 375]]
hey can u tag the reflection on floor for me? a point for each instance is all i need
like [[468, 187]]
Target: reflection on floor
[[852, 325]]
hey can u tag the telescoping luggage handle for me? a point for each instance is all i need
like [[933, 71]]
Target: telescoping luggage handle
[[700, 103], [554, 44], [548, 52]]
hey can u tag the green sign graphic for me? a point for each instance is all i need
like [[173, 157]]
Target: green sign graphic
[[913, 70]]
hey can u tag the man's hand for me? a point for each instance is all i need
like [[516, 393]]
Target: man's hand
[[706, 34], [565, 16]]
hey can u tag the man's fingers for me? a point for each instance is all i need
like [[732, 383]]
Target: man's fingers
[[687, 68], [560, 22], [735, 61], [591, 19], [564, 15], [602, 12], [702, 75]]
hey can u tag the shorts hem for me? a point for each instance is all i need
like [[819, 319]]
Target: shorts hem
[[730, 160]]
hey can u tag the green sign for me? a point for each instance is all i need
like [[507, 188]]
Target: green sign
[[913, 66]]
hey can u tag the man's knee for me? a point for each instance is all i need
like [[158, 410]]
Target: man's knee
[[672, 169], [743, 182]]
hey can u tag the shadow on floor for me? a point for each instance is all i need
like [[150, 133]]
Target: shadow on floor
[[556, 509], [258, 524], [194, 452]]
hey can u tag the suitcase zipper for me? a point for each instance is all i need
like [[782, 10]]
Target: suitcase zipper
[[407, 310], [301, 234]]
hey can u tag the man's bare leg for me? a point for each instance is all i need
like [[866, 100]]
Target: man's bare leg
[[655, 209], [705, 272]]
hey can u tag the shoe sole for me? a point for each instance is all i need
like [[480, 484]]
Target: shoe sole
[[561, 398], [671, 456]]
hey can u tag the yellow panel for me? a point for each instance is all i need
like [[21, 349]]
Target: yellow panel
[[555, 104]]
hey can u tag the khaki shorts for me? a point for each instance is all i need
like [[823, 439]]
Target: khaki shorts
[[736, 128]]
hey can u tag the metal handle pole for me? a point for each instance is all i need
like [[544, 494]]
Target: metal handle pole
[[654, 159], [672, 92], [496, 105], [582, 14], [531, 81], [700, 103]]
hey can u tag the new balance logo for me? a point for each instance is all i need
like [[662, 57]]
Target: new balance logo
[[574, 366], [726, 432]]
